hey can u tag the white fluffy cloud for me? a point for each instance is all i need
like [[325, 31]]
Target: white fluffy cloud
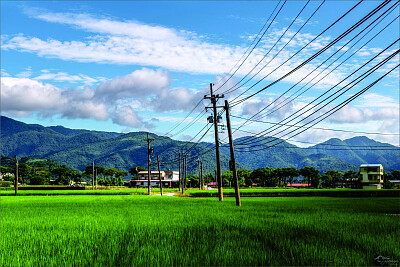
[[120, 98], [22, 94], [139, 83], [127, 116], [131, 42]]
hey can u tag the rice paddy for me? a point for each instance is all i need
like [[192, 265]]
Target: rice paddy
[[137, 230]]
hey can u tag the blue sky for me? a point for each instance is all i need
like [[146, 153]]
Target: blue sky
[[142, 66]]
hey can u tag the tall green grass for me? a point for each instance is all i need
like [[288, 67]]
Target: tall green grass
[[139, 230]]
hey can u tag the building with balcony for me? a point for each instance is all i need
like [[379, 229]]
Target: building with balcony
[[168, 179], [371, 176]]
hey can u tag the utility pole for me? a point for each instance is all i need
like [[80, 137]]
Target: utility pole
[[93, 177], [233, 162], [159, 173], [149, 162], [198, 160], [185, 173], [201, 175], [213, 99], [16, 175], [96, 179], [180, 173]]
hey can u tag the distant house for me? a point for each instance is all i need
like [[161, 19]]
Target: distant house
[[371, 176], [2, 175], [297, 185], [396, 183], [168, 179]]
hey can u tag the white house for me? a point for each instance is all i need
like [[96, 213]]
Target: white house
[[168, 179], [371, 176]]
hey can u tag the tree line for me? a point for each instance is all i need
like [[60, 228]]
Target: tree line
[[283, 177], [63, 176], [263, 177]]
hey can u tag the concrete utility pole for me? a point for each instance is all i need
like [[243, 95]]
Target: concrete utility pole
[[93, 177], [233, 162], [149, 162], [96, 179], [159, 173], [16, 175], [180, 173], [198, 160], [185, 173], [213, 99], [201, 175]]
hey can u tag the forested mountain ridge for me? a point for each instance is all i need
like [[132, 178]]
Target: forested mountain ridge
[[360, 150], [78, 148]]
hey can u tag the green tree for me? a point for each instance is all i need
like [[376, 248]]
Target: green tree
[[208, 178], [42, 169], [243, 175], [336, 177], [75, 176], [23, 171], [63, 177], [386, 183], [135, 170], [192, 181], [279, 176], [40, 178], [350, 177], [264, 177], [291, 173], [327, 180], [227, 178], [5, 170], [311, 174], [110, 172], [89, 170], [395, 174]]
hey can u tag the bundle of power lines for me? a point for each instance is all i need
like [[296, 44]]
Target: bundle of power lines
[[332, 56]]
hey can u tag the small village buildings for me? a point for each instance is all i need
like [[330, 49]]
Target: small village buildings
[[2, 175], [168, 179], [371, 176]]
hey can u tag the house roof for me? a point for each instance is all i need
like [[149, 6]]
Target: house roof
[[371, 165], [152, 172]]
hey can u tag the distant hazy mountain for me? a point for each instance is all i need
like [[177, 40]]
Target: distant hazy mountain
[[78, 148], [360, 150]]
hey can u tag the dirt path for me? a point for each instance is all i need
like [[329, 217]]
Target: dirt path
[[166, 194]]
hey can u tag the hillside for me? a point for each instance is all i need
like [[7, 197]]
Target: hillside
[[360, 150], [284, 155], [78, 148]]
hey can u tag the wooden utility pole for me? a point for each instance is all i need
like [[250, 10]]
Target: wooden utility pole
[[16, 175], [180, 173], [93, 177], [198, 160], [149, 162], [213, 99], [159, 173], [233, 162]]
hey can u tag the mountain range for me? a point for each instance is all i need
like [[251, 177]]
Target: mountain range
[[78, 148]]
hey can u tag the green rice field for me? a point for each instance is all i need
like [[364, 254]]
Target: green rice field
[[139, 230]]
